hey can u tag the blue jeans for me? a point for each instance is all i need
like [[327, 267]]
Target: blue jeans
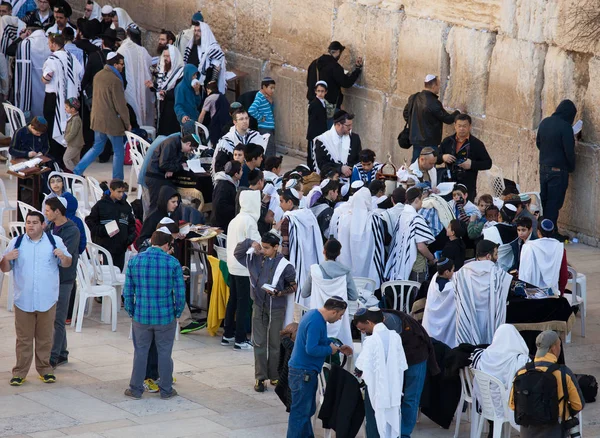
[[304, 403], [414, 379], [96, 150]]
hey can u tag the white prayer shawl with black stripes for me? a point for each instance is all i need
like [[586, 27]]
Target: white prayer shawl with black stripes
[[410, 230], [29, 88], [10, 27], [391, 216], [361, 233], [167, 81], [123, 18], [335, 145], [481, 289], [230, 140], [209, 54], [16, 7], [183, 39], [306, 246], [445, 213], [66, 72], [137, 71]]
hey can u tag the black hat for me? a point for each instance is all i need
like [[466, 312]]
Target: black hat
[[111, 34], [485, 247], [336, 45], [63, 7], [340, 116]]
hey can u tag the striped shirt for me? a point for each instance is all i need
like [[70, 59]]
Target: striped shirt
[[154, 291], [262, 110]]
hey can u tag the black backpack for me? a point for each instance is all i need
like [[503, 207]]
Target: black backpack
[[588, 386], [536, 396], [48, 233]]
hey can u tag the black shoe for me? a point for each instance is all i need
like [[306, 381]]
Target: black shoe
[[192, 327], [54, 363], [259, 386]]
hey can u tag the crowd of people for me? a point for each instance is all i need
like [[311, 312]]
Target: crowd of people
[[304, 240]]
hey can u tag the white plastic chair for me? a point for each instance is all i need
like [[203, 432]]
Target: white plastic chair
[[5, 205], [364, 283], [486, 387], [86, 289], [25, 208], [15, 117], [105, 271], [79, 187], [137, 160], [137, 143], [96, 192], [200, 127], [466, 396], [496, 180], [401, 291], [578, 297], [16, 228]]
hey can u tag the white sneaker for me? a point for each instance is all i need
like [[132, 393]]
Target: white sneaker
[[227, 342], [243, 346]]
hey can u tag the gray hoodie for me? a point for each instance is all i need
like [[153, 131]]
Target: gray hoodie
[[332, 269], [69, 233]]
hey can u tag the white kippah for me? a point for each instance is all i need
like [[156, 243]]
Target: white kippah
[[111, 55], [293, 182], [164, 230], [344, 190], [324, 183], [107, 9], [510, 207], [63, 201], [374, 309], [166, 220], [295, 193], [357, 184], [429, 78]]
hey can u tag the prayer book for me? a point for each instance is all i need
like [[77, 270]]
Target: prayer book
[[195, 166], [577, 127], [112, 228]]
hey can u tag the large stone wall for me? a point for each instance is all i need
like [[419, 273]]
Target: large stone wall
[[508, 62]]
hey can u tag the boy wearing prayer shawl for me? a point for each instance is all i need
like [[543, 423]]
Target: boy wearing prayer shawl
[[503, 233], [366, 168], [462, 208], [439, 318], [409, 254], [273, 284], [381, 365], [525, 232]]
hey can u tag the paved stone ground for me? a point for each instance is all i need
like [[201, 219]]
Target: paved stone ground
[[214, 382]]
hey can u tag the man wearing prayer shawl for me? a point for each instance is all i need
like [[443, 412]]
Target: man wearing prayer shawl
[[170, 72], [204, 52], [92, 11], [504, 233], [439, 318], [391, 216], [137, 72], [337, 149], [61, 75], [362, 233], [29, 89], [301, 242], [381, 365], [544, 260], [409, 255], [506, 355], [481, 292], [10, 29], [120, 18]]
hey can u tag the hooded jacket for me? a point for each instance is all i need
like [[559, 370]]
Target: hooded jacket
[[70, 235], [72, 206], [187, 101], [243, 226], [555, 138], [105, 211], [333, 269], [327, 68], [155, 216], [223, 204]]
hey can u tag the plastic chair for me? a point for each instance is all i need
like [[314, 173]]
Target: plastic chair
[[200, 127], [96, 191], [321, 387], [5, 204], [105, 272], [15, 117], [16, 228], [488, 385], [402, 291], [578, 297], [496, 179], [364, 283], [466, 396], [137, 143], [25, 208], [137, 160], [86, 289], [78, 186]]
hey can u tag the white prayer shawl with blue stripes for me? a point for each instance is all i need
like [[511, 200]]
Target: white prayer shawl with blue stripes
[[66, 72], [410, 230], [481, 290], [29, 88]]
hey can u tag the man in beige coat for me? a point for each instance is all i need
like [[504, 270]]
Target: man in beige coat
[[110, 116]]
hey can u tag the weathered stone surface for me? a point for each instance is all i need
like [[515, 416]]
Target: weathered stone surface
[[470, 52], [529, 19], [480, 14], [566, 76], [591, 109], [420, 52], [252, 29], [516, 80], [393, 123], [575, 26], [300, 31], [368, 105], [220, 16]]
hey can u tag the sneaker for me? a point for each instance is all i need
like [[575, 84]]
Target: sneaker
[[130, 394], [54, 363], [243, 346], [192, 327], [174, 380], [273, 382], [16, 381], [259, 386], [150, 386], [227, 342], [48, 378], [167, 397], [68, 321]]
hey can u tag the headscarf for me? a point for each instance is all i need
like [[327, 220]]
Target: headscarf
[[123, 17]]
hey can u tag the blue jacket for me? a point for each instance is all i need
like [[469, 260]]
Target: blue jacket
[[187, 101], [72, 206], [24, 142], [312, 344]]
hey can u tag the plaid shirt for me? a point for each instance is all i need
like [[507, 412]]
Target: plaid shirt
[[154, 289], [433, 220]]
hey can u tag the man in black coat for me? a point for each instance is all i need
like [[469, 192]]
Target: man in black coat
[[464, 155], [426, 116], [327, 68], [556, 143], [223, 204]]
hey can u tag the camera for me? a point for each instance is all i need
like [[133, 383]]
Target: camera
[[571, 426]]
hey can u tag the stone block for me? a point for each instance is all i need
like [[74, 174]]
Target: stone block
[[591, 110], [479, 14], [529, 20], [420, 52], [300, 31], [252, 28], [470, 52], [252, 66], [566, 76], [574, 26], [368, 106], [516, 80], [220, 16], [393, 124]]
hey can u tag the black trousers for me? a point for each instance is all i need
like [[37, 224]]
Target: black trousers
[[57, 150], [553, 188], [236, 314]]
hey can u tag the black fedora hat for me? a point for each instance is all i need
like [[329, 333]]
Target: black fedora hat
[[111, 34]]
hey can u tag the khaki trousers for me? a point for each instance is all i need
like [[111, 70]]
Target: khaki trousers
[[30, 326]]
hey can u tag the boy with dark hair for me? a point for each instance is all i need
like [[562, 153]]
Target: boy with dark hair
[[455, 248], [262, 110], [323, 207], [272, 281], [525, 232], [217, 106], [238, 153], [254, 157], [273, 169], [366, 168], [462, 208], [226, 184], [256, 179]]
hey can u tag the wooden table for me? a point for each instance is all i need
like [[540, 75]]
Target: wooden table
[[29, 182], [237, 89]]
